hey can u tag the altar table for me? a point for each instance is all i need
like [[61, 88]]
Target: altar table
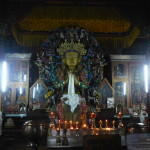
[[75, 141]]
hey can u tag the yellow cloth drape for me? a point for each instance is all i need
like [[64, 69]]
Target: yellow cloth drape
[[27, 39], [93, 18], [120, 41], [33, 40]]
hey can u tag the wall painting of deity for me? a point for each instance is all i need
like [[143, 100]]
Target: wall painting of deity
[[119, 71], [120, 93], [20, 95], [6, 99], [138, 94], [14, 71]]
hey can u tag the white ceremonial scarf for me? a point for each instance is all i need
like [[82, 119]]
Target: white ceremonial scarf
[[73, 99]]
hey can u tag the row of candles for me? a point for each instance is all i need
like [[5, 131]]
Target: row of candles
[[84, 125]]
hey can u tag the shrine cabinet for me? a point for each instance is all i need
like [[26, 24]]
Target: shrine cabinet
[[15, 98], [128, 81]]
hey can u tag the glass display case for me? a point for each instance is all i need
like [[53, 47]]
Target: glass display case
[[17, 82], [37, 95], [106, 94]]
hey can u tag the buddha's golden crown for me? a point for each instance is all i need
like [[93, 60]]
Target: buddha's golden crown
[[68, 46]]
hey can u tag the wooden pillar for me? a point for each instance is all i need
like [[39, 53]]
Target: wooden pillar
[[148, 63], [148, 95], [1, 61], [0, 101]]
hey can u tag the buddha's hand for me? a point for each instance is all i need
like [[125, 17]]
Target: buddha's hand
[[76, 81], [48, 94], [66, 81], [60, 84]]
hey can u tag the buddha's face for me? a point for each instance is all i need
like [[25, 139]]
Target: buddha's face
[[72, 59]]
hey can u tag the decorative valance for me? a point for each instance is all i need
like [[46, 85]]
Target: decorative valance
[[116, 42], [117, 31], [94, 19]]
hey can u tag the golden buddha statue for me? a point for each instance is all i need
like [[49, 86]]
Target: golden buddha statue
[[70, 69], [71, 100]]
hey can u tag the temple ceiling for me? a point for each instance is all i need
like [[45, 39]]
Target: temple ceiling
[[106, 23]]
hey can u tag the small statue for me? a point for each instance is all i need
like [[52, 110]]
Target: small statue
[[9, 123], [143, 114], [22, 108]]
